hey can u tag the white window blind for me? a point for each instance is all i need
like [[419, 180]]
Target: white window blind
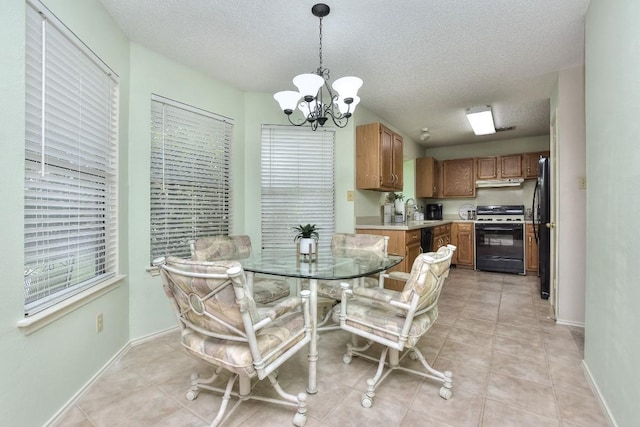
[[190, 176], [298, 184], [71, 140]]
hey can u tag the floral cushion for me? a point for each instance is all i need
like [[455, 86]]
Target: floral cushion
[[194, 294], [426, 282], [214, 248], [367, 314], [362, 246], [221, 248], [211, 316], [235, 355], [267, 289]]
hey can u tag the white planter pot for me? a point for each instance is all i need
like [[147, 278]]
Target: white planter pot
[[399, 210], [307, 246]]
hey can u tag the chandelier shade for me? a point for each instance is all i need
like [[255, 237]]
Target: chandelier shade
[[347, 87], [315, 106], [308, 85]]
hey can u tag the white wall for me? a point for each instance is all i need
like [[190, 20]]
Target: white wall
[[612, 76], [571, 201]]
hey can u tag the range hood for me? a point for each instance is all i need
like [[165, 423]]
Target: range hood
[[491, 183]]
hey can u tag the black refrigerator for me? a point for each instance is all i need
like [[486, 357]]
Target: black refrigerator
[[541, 209]]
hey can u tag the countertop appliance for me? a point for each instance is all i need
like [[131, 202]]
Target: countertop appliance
[[541, 208], [499, 237], [433, 211]]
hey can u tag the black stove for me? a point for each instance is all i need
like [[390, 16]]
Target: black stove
[[500, 213], [499, 236]]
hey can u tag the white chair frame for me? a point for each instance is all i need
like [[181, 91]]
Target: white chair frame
[[399, 344], [235, 276]]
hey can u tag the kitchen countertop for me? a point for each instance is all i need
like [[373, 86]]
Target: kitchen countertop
[[375, 223]]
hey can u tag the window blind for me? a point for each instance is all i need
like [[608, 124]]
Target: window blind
[[190, 176], [298, 184], [71, 139]]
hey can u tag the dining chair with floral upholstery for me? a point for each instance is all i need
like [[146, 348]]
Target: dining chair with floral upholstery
[[266, 289], [355, 246], [396, 320], [221, 324]]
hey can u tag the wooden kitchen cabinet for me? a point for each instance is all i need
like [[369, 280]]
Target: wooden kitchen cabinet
[[487, 167], [531, 261], [441, 236], [462, 238], [499, 167], [401, 242], [530, 164], [427, 177], [458, 178], [378, 158]]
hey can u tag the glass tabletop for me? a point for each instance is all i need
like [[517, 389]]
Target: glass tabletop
[[336, 265]]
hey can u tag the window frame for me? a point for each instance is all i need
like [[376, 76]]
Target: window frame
[[191, 190], [298, 184], [71, 166]]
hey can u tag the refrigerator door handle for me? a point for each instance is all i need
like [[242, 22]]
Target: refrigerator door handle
[[536, 230]]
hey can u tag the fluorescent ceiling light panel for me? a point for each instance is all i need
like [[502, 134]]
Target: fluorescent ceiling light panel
[[481, 120]]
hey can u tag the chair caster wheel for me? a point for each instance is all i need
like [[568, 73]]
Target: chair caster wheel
[[192, 394], [366, 401], [445, 393], [299, 420], [413, 355], [346, 359]]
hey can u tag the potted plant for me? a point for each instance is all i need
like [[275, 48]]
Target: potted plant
[[307, 237], [396, 200]]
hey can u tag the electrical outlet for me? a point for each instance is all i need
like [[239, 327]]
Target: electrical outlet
[[350, 196], [99, 323], [582, 183]]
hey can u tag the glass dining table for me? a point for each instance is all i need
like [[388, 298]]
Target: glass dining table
[[343, 265]]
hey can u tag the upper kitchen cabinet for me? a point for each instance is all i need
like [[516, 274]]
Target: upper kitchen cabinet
[[530, 163], [378, 158], [458, 178], [499, 167], [427, 177]]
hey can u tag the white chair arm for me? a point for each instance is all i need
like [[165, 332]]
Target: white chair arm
[[269, 314], [399, 275]]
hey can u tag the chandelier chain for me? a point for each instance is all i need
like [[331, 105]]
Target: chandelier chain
[[320, 47]]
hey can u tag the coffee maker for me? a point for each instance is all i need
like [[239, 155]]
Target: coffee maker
[[433, 211]]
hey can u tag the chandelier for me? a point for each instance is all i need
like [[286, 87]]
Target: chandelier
[[315, 106]]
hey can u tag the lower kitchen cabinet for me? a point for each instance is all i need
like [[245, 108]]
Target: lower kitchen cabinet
[[401, 242], [441, 236], [462, 238], [531, 261]]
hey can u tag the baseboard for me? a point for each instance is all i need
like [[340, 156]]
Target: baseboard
[[569, 323], [596, 392], [98, 374]]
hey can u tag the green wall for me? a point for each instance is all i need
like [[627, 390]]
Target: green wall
[[612, 76], [42, 371], [47, 368]]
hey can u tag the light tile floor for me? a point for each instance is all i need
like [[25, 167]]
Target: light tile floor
[[512, 366]]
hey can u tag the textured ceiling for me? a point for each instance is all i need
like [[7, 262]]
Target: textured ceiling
[[423, 62]]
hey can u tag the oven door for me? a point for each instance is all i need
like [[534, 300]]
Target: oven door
[[500, 247]]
